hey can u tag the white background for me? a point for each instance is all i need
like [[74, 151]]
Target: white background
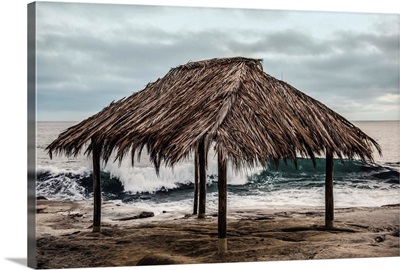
[[13, 106]]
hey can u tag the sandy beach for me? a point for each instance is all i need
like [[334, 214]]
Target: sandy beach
[[65, 239]]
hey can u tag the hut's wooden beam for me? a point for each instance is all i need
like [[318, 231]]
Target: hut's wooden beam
[[202, 178], [329, 207], [96, 187], [222, 204], [196, 184]]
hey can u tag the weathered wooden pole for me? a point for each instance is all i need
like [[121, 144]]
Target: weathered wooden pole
[[196, 183], [203, 180], [96, 187], [222, 203], [329, 208]]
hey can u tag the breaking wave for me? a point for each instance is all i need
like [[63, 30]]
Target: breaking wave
[[130, 184]]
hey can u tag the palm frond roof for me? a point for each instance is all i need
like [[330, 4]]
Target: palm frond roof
[[250, 116]]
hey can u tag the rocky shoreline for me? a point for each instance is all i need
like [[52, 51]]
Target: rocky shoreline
[[131, 236]]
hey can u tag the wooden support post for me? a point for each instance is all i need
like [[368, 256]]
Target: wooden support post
[[329, 208], [96, 187], [203, 180], [222, 203], [196, 183]]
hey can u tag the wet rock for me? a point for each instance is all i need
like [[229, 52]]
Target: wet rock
[[127, 218], [75, 215], [122, 242], [106, 232], [145, 214], [157, 259], [379, 239], [40, 210], [73, 233]]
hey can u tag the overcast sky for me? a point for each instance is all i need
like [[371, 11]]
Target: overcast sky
[[91, 54]]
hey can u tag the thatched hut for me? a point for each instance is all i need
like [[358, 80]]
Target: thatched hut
[[231, 104]]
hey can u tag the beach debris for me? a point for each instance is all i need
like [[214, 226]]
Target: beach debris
[[43, 198], [396, 233]]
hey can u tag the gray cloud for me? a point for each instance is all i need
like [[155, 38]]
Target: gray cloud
[[291, 42], [108, 53]]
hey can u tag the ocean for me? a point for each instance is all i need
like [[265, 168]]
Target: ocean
[[355, 184]]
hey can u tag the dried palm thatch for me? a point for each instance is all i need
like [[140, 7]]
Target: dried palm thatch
[[251, 117]]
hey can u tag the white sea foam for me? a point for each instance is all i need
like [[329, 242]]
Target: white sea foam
[[53, 170], [142, 178], [282, 199], [145, 179]]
